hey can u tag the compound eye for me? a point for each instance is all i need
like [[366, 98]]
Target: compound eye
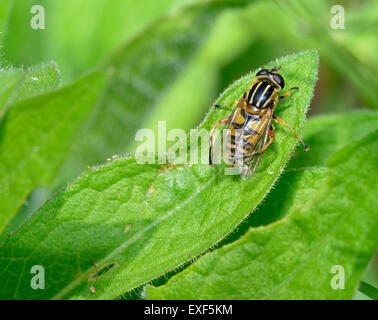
[[278, 78], [262, 72]]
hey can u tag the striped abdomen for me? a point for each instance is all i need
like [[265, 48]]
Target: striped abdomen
[[246, 129]]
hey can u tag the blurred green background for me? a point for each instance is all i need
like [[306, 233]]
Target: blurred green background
[[80, 35]]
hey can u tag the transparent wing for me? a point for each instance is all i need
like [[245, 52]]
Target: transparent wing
[[251, 164], [219, 141]]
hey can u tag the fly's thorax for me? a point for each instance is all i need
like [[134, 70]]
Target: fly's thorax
[[263, 94]]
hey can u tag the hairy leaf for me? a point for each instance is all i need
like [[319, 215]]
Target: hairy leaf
[[136, 221], [326, 134], [139, 73], [329, 225], [9, 80], [38, 80], [31, 153], [18, 84]]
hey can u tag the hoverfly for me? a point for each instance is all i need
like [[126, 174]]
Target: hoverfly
[[250, 123]]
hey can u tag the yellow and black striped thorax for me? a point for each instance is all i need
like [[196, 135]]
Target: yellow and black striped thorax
[[262, 94]]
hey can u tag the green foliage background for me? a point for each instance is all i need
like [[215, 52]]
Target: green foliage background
[[74, 94]]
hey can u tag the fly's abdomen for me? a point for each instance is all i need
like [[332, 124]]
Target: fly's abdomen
[[241, 141]]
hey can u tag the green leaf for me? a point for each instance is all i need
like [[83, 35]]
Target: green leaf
[[9, 80], [298, 25], [141, 220], [5, 7], [139, 73], [326, 224], [77, 45], [38, 80], [17, 84], [316, 15], [326, 134], [31, 153], [200, 85]]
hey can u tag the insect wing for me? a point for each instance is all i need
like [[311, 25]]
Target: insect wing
[[219, 139], [251, 164]]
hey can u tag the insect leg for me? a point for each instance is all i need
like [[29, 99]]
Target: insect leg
[[285, 124], [287, 93], [226, 106], [220, 122], [271, 139]]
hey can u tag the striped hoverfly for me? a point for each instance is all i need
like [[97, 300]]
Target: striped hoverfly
[[250, 130]]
